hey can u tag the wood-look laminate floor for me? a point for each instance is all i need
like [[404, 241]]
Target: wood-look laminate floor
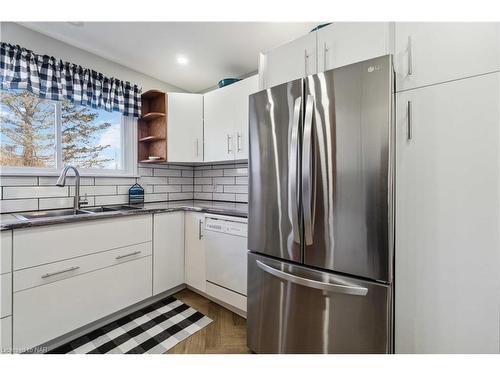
[[225, 335]]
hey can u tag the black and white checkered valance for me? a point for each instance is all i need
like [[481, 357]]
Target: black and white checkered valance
[[54, 79]]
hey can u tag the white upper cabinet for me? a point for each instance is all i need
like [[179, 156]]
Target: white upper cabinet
[[293, 60], [344, 43], [226, 121], [430, 53], [447, 218], [185, 127]]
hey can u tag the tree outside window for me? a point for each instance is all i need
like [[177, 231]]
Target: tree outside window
[[39, 133]]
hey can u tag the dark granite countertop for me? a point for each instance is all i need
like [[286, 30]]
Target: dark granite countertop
[[9, 221]]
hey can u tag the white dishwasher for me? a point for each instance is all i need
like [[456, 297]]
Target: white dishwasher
[[226, 251]]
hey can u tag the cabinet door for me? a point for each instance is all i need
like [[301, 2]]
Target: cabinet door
[[185, 127], [447, 242], [244, 89], [49, 311], [288, 62], [6, 335], [218, 125], [195, 251], [429, 53], [344, 43], [168, 251]]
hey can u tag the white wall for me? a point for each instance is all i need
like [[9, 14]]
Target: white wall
[[16, 34]]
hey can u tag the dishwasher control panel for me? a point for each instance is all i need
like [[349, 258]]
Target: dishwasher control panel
[[226, 226]]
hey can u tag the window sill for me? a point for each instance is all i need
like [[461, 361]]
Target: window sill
[[4, 173]]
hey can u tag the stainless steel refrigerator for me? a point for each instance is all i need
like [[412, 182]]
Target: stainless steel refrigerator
[[320, 223]]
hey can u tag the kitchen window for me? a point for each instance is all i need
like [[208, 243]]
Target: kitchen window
[[40, 136]]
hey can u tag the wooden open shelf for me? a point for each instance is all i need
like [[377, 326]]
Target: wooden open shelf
[[153, 127], [152, 116], [152, 138]]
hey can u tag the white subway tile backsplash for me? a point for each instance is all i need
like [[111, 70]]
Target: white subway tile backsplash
[[18, 181], [156, 197], [242, 189], [241, 180], [18, 205], [167, 188], [104, 200], [94, 190], [179, 196], [223, 197], [203, 196], [167, 172], [236, 172], [126, 181], [17, 192], [145, 171], [224, 180], [213, 172], [241, 198], [180, 180], [70, 180]]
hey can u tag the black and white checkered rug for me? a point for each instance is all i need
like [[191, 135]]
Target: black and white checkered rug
[[154, 329]]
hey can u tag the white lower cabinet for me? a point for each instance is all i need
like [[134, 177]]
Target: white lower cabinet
[[6, 335], [46, 312], [447, 281], [195, 250], [168, 251], [5, 295]]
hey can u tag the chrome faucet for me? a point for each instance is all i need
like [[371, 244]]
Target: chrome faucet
[[61, 181]]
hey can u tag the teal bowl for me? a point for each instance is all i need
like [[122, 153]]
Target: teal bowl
[[227, 81]]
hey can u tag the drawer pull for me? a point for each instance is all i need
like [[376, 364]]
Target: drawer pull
[[59, 272], [128, 255]]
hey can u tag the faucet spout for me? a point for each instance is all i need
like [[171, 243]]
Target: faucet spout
[[61, 181]]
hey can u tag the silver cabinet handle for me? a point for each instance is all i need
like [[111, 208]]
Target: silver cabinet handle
[[59, 272], [238, 139], [200, 223], [128, 255], [293, 169], [307, 171], [197, 147], [410, 56], [229, 137], [306, 57], [334, 288], [325, 52], [409, 121]]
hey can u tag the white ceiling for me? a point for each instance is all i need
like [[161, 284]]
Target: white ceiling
[[215, 50]]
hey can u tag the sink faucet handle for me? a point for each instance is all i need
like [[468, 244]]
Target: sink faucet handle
[[84, 199]]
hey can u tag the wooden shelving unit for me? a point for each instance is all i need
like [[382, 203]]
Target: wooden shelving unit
[[153, 127]]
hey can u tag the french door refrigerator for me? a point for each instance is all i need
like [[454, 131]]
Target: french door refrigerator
[[320, 224]]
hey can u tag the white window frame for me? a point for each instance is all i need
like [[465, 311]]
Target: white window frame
[[129, 152]]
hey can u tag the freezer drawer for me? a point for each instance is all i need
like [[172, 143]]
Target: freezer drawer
[[293, 309]]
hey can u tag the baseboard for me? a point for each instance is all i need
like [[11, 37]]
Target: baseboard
[[237, 311]]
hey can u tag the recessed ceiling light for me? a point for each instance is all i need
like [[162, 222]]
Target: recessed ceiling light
[[182, 60]]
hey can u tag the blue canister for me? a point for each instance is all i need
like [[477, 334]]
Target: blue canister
[[136, 194]]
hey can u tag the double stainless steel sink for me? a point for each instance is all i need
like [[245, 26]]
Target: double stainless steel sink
[[72, 212]]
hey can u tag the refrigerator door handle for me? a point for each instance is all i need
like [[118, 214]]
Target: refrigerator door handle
[[307, 171], [327, 287], [293, 168]]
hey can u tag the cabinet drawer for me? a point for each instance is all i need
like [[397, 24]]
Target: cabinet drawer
[[36, 246], [51, 310], [5, 295], [49, 273], [6, 251], [6, 335]]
